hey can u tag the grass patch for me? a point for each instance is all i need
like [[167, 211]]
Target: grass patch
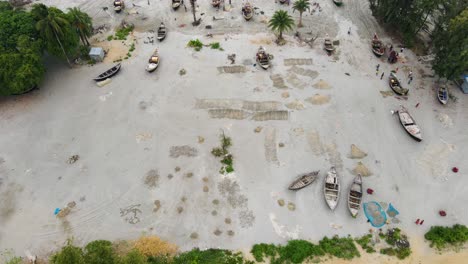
[[343, 247], [123, 32], [195, 44], [132, 47], [259, 251], [227, 160], [443, 236], [365, 243], [216, 45], [399, 245], [210, 256], [109, 38]]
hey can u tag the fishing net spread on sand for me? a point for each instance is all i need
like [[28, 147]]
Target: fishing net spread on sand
[[318, 99], [356, 153], [321, 84], [228, 113], [361, 169], [296, 105], [375, 214], [271, 115]]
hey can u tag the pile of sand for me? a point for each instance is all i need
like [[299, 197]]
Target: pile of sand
[[321, 84], [318, 99], [356, 153], [361, 169], [296, 105]]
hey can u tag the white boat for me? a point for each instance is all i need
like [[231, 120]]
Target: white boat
[[409, 124], [118, 5], [153, 62], [331, 188], [442, 94], [263, 58], [162, 32], [355, 196]]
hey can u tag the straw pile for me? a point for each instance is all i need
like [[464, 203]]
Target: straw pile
[[356, 153], [318, 99], [361, 169]]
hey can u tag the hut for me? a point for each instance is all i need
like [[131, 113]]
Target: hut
[[96, 54]]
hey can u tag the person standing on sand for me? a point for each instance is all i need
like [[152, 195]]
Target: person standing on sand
[[381, 76], [410, 77]]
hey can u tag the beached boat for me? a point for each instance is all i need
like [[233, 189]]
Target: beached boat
[[176, 4], [215, 3], [442, 94], [283, 1], [355, 196], [331, 188], [408, 124], [338, 2], [162, 32], [303, 181], [377, 46], [263, 58], [109, 73], [119, 5], [247, 11], [153, 62], [395, 85], [328, 44]]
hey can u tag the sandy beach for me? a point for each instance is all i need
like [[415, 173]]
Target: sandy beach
[[144, 140]]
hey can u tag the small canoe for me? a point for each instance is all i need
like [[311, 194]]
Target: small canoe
[[355, 196], [176, 4], [263, 58], [442, 94], [331, 188], [303, 181], [409, 124], [338, 2], [396, 86], [282, 1], [162, 32], [215, 3], [109, 73], [153, 62], [328, 44], [118, 5], [377, 46], [247, 11]]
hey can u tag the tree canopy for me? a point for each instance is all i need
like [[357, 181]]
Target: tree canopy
[[281, 21]]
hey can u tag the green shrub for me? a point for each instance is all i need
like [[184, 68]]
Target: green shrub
[[159, 260], [296, 251], [134, 257], [364, 242], [215, 45], [393, 235], [15, 260], [209, 256], [217, 152], [100, 252], [132, 47], [263, 250], [68, 255], [109, 38], [443, 236], [196, 44], [123, 32], [343, 247]]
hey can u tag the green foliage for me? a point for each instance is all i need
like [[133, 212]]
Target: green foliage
[[281, 21], [364, 242], [451, 47], [68, 255], [443, 236], [100, 252], [15, 260], [132, 47], [215, 45], [343, 247], [81, 23], [123, 32], [227, 159], [159, 260], [263, 250], [400, 253], [109, 38], [218, 152], [14, 24], [134, 257], [301, 6], [196, 44], [393, 235], [296, 251], [209, 256]]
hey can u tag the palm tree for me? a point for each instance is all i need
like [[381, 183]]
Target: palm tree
[[51, 28], [301, 6], [192, 3], [82, 23], [281, 21]]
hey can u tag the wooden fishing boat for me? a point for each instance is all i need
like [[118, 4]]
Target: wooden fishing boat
[[215, 3], [331, 188], [338, 2], [408, 124], [247, 11], [263, 58], [328, 44], [282, 1], [396, 86], [153, 62], [355, 196], [442, 94], [303, 181], [377, 46], [109, 73], [162, 32], [119, 5], [176, 4]]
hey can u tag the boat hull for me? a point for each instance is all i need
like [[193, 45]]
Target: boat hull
[[151, 67], [111, 74], [377, 53]]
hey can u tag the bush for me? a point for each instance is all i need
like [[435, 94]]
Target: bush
[[132, 47], [209, 256], [154, 246], [196, 44], [364, 242], [15, 260], [123, 32], [296, 251], [109, 38], [134, 257], [215, 45], [68, 255], [100, 252], [339, 247], [443, 236], [263, 250], [218, 152]]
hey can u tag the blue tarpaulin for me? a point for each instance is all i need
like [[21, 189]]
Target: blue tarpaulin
[[375, 214]]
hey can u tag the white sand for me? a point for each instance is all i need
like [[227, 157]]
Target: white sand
[[125, 129]]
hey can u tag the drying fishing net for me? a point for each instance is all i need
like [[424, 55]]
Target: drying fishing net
[[375, 214]]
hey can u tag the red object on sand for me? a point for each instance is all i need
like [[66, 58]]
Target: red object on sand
[[455, 169], [421, 222], [417, 221], [370, 191], [442, 213]]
